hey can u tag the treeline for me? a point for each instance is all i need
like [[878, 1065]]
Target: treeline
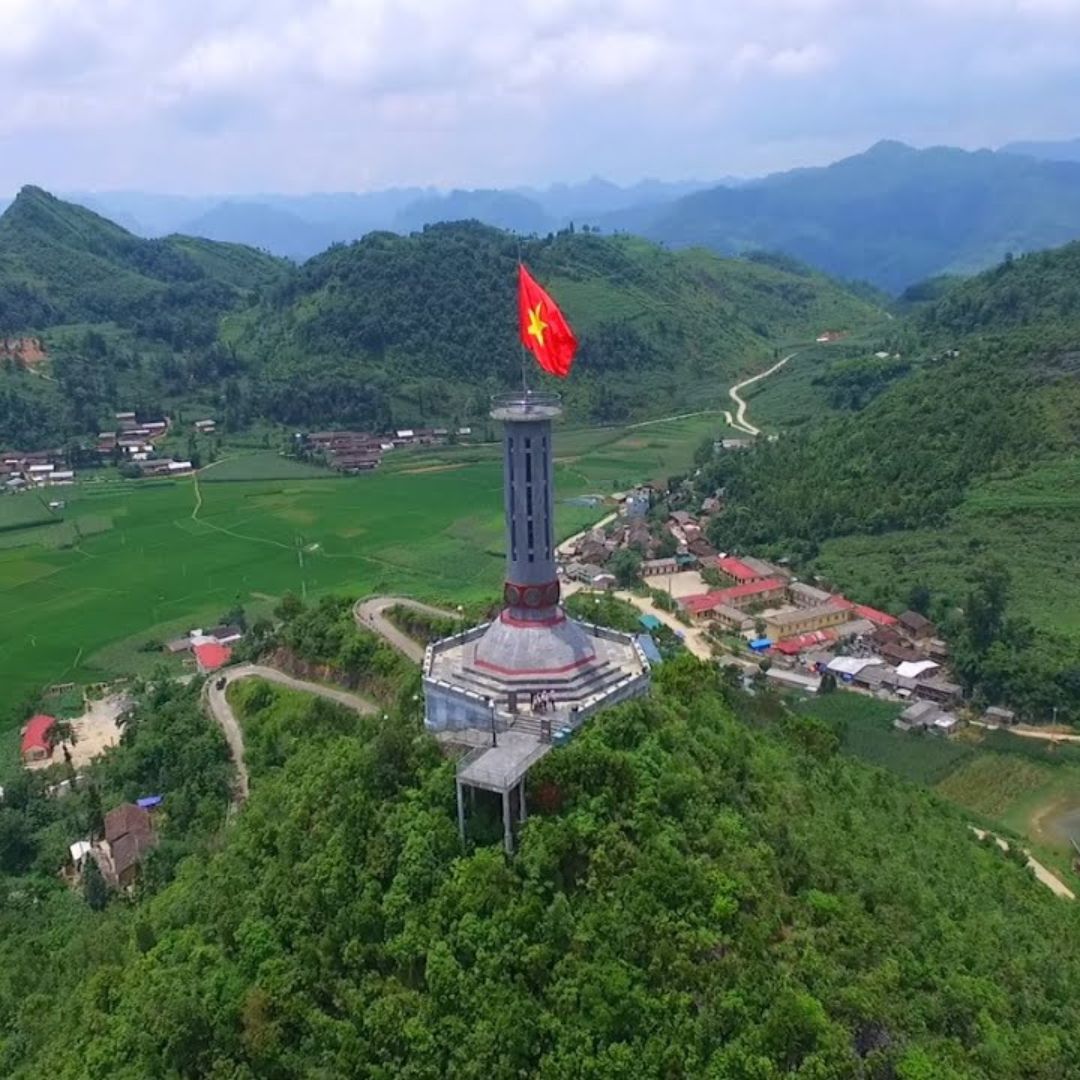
[[694, 895]]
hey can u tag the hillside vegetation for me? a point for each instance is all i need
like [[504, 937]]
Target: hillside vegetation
[[422, 325], [691, 898], [892, 215], [956, 474], [389, 330]]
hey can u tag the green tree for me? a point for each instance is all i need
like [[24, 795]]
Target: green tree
[[95, 891], [625, 564]]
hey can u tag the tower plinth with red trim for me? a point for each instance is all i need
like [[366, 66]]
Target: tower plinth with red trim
[[491, 675]]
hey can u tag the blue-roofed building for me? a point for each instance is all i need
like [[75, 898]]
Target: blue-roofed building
[[648, 647], [650, 622], [760, 644], [148, 802]]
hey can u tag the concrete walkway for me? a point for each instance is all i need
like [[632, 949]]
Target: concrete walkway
[[1047, 877], [214, 693], [370, 614]]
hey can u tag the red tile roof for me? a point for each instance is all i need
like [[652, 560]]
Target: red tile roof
[[881, 618], [707, 601], [212, 656], [791, 646], [36, 734], [737, 569]]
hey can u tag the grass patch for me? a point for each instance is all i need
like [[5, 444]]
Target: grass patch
[[262, 465], [865, 728], [990, 784], [23, 511]]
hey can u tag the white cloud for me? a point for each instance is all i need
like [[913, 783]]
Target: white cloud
[[252, 94]]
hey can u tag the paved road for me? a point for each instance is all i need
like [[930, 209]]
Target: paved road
[[222, 712], [693, 638], [370, 615], [1047, 877], [739, 421]]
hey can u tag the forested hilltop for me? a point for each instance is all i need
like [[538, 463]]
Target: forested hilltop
[[388, 330], [705, 887], [955, 478], [413, 325]]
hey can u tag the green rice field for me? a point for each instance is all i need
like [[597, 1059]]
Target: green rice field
[[138, 561]]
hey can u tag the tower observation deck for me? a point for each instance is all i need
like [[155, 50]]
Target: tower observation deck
[[483, 681]]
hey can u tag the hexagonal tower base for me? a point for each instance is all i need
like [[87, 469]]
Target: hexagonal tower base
[[489, 675]]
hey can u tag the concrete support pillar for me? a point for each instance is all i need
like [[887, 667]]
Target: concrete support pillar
[[460, 813], [521, 800], [508, 824]]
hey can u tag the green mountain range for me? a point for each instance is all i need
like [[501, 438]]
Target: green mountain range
[[891, 216], [389, 329], [61, 263]]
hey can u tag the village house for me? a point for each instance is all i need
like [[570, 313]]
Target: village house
[[656, 567], [940, 690], [210, 655], [205, 427], [129, 836], [799, 643], [738, 570], [803, 595], [917, 716], [36, 741], [731, 618], [916, 626], [803, 620], [701, 606], [700, 549], [998, 715]]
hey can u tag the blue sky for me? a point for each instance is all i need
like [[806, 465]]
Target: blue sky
[[201, 96]]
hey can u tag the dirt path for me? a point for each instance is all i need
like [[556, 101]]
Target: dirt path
[[739, 421], [1023, 731], [1048, 878], [369, 614], [222, 711]]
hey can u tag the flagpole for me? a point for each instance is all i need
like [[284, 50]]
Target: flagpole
[[524, 351]]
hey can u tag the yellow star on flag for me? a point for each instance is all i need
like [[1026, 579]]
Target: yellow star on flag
[[537, 326]]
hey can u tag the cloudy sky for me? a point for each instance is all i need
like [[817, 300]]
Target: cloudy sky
[[200, 96]]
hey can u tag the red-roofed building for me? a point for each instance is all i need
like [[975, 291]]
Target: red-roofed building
[[878, 618], [211, 656], [792, 646], [737, 596], [738, 570], [35, 738]]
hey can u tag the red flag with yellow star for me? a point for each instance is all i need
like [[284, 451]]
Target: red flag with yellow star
[[544, 331]]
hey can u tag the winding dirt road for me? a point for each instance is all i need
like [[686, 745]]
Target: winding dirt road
[[369, 614], [222, 711], [739, 421], [1047, 877]]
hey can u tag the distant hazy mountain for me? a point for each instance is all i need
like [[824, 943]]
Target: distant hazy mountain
[[267, 227], [1065, 150], [892, 215], [298, 226], [502, 209], [570, 202]]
